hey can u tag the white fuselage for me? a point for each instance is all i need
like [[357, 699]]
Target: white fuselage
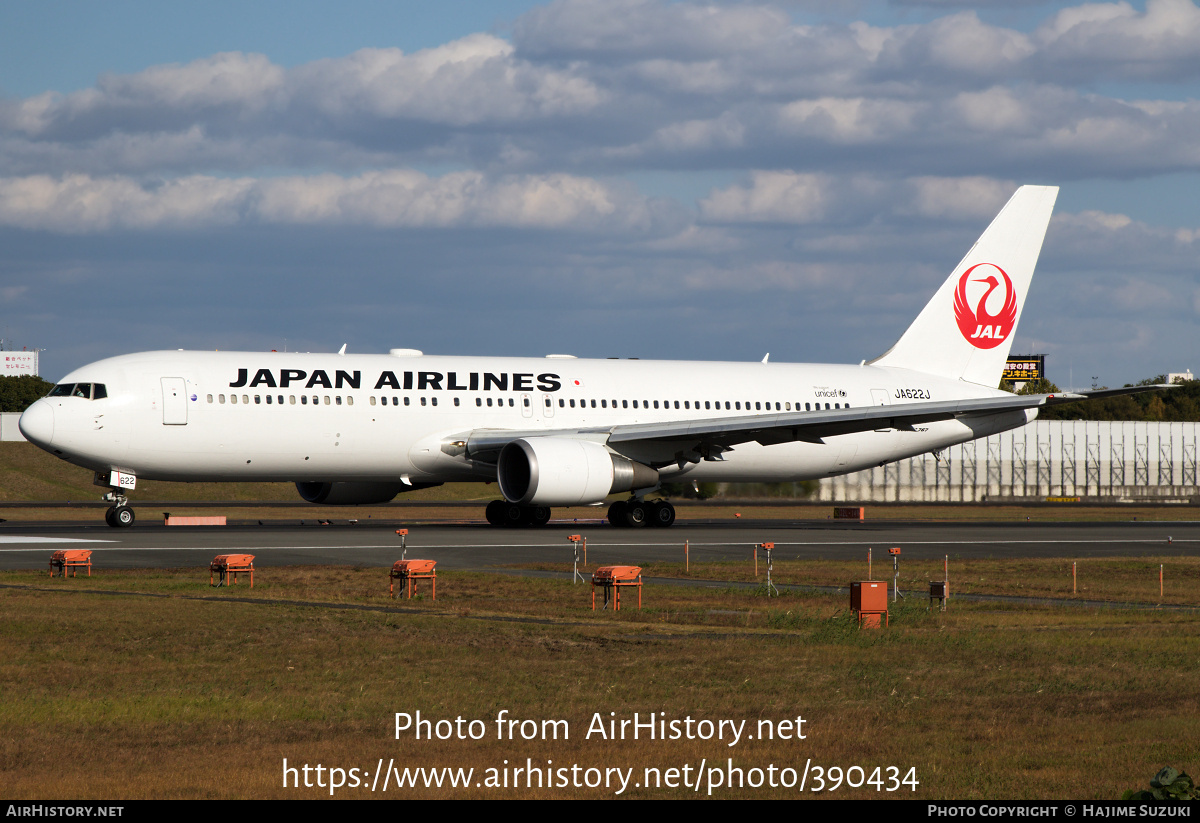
[[236, 416]]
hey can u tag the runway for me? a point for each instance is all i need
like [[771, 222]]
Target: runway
[[471, 546]]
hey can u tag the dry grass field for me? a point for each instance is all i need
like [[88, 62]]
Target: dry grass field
[[151, 684]]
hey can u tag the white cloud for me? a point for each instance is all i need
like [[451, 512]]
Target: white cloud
[[1161, 42], [791, 197], [774, 197], [960, 198], [395, 198]]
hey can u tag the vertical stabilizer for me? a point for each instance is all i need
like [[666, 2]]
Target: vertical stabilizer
[[965, 332]]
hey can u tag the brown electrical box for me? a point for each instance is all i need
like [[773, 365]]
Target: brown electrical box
[[869, 600]]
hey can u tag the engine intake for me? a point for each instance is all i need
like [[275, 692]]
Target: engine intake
[[561, 471]]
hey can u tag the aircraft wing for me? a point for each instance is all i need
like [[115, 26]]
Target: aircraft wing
[[706, 438]]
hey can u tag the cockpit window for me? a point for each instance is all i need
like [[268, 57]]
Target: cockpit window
[[88, 391]]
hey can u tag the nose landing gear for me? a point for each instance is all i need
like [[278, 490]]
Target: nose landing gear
[[119, 515]]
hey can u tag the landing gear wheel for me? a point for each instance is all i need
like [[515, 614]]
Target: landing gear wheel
[[108, 516], [122, 517], [662, 514], [616, 515], [495, 512], [514, 515], [637, 512], [539, 515]]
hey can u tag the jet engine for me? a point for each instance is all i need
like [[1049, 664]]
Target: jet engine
[[561, 471], [354, 494]]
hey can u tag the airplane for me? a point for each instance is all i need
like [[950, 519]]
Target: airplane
[[557, 431]]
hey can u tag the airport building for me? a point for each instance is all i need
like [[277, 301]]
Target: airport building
[[1091, 459]]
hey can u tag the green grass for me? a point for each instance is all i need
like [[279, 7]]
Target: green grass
[[124, 696]]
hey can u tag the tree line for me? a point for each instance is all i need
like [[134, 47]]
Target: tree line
[[1180, 404], [17, 392]]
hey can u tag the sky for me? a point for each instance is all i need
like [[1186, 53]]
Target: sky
[[605, 178]]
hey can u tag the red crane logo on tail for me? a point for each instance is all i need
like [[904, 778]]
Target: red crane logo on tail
[[983, 330]]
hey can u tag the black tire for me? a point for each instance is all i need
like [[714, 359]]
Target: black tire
[[637, 513], [514, 515], [108, 516], [539, 515], [662, 514], [123, 517], [495, 512], [616, 515]]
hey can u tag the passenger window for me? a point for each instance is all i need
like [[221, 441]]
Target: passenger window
[[233, 399], [433, 400], [372, 400], [478, 401], [246, 399], [422, 401], [526, 402], [625, 404], [338, 400], [304, 400], [562, 403], [456, 401], [258, 400], [221, 399], [326, 400], [405, 401]]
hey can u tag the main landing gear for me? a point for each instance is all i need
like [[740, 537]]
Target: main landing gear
[[637, 513], [624, 513], [119, 515], [503, 513]]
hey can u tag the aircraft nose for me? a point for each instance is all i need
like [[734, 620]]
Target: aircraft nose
[[37, 423]]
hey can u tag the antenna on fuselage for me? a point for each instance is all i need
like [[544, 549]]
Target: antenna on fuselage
[[767, 357], [342, 350]]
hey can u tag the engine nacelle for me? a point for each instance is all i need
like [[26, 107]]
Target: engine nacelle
[[354, 494], [561, 471]]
